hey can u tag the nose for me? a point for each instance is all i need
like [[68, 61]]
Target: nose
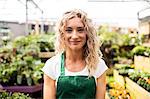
[[74, 34]]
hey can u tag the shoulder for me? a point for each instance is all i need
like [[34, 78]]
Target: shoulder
[[101, 63], [53, 60], [51, 66], [101, 68]]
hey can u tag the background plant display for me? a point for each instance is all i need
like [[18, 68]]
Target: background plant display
[[7, 95], [124, 69], [37, 42], [141, 78], [141, 50], [117, 38], [115, 90], [128, 59], [117, 46], [135, 82], [20, 63], [46, 43]]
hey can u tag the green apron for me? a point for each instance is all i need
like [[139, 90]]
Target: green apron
[[75, 87]]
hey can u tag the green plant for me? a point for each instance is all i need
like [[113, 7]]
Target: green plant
[[138, 50], [147, 52], [134, 75], [16, 95], [46, 43], [23, 66], [23, 70], [141, 50]]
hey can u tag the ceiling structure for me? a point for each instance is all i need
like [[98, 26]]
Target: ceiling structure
[[118, 0], [16, 10], [141, 11]]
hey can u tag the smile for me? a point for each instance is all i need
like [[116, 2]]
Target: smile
[[74, 42]]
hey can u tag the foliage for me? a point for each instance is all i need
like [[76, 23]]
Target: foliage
[[134, 75], [26, 44], [46, 43], [116, 38], [110, 38], [6, 49], [6, 95], [117, 91], [23, 70], [123, 66], [116, 45], [141, 50], [124, 69], [20, 64], [110, 79], [34, 44], [141, 78], [115, 52]]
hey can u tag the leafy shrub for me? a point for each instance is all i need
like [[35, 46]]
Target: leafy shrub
[[6, 95], [141, 50]]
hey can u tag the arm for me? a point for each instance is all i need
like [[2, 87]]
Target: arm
[[49, 91], [101, 87]]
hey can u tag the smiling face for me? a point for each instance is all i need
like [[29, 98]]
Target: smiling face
[[74, 34]]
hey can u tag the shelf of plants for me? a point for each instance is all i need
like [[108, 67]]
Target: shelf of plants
[[136, 82], [121, 49], [116, 90], [15, 95], [20, 64]]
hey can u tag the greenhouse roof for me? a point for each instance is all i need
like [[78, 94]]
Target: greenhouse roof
[[113, 12]]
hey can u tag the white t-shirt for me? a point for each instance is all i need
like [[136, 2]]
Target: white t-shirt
[[52, 68]]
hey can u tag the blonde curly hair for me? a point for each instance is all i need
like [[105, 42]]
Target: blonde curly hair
[[92, 52]]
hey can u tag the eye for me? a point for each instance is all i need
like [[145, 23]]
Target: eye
[[69, 30], [80, 29]]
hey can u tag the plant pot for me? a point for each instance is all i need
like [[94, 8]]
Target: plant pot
[[24, 89]]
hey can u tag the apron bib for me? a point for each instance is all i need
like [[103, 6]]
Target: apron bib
[[75, 87]]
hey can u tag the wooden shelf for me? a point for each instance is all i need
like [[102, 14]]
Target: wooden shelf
[[142, 63], [146, 44], [46, 54], [136, 91], [106, 95], [119, 78]]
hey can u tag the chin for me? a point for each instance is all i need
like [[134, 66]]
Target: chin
[[76, 48]]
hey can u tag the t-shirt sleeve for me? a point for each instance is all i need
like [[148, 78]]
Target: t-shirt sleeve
[[101, 68], [50, 68]]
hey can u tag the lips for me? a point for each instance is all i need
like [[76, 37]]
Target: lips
[[74, 42]]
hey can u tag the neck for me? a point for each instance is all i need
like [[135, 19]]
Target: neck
[[74, 55]]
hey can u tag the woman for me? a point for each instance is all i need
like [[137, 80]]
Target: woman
[[77, 70]]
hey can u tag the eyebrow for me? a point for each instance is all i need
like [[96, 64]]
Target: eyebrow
[[80, 27], [76, 27], [68, 27]]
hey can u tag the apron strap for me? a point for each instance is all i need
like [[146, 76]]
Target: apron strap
[[62, 64]]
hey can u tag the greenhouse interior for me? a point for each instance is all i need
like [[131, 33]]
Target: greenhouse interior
[[27, 41]]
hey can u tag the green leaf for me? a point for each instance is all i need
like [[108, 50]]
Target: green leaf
[[29, 81], [19, 79]]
